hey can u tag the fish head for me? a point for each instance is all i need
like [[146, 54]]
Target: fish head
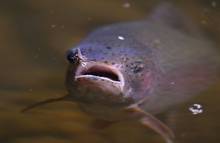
[[112, 70]]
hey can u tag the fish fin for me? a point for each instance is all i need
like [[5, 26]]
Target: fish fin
[[47, 101], [152, 122], [166, 13]]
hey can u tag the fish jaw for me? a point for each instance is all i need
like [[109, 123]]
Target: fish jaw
[[103, 76], [97, 82]]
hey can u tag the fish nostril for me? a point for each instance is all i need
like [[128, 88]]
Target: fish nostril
[[72, 56]]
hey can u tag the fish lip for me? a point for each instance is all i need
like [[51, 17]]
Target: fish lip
[[83, 72]]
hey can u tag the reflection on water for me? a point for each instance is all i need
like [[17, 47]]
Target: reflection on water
[[34, 38]]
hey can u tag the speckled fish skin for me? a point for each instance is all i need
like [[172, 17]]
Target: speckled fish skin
[[126, 55], [162, 64]]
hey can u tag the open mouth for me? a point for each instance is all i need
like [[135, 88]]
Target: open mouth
[[100, 73]]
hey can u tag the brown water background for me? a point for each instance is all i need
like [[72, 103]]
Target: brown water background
[[34, 36]]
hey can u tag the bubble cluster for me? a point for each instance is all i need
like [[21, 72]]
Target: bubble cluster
[[196, 109]]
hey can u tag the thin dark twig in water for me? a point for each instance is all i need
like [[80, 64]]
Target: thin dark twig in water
[[43, 103]]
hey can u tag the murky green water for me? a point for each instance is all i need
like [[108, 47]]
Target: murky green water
[[34, 36]]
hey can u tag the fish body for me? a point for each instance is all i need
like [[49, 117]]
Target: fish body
[[161, 65], [141, 68]]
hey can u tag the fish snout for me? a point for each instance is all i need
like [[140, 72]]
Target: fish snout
[[74, 56], [95, 81]]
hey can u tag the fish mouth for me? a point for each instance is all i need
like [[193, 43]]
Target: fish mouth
[[102, 75]]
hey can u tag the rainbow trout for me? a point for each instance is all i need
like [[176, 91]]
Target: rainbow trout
[[137, 69]]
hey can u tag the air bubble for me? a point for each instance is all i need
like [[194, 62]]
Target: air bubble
[[126, 5], [196, 109]]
